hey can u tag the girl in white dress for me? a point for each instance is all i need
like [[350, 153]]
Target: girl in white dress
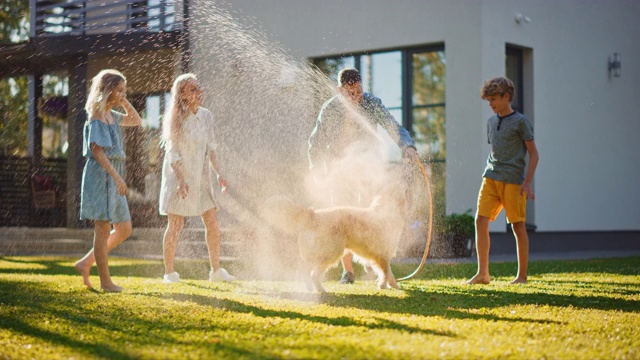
[[187, 184]]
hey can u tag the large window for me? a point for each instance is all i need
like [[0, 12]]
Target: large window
[[14, 21], [411, 83], [427, 114], [51, 111]]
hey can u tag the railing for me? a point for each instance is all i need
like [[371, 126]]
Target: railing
[[89, 17], [17, 206]]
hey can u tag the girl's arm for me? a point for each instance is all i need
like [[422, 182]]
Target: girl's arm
[[183, 188], [101, 158], [131, 118], [213, 160]]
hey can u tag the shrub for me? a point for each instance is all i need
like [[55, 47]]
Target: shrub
[[462, 225], [454, 236]]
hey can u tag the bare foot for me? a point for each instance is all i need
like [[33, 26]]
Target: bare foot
[[85, 271], [113, 288], [479, 279], [519, 281]]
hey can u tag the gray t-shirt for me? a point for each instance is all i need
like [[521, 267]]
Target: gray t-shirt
[[507, 135]]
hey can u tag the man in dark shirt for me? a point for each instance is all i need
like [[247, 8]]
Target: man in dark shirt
[[349, 117]]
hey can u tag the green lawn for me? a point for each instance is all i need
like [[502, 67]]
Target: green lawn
[[569, 310]]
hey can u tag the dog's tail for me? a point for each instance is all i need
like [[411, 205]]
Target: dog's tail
[[375, 203]]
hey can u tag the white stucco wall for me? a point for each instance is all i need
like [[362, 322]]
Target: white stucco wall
[[586, 123]]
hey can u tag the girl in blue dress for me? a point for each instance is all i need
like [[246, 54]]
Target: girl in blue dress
[[104, 191]]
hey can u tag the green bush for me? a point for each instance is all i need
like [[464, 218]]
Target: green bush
[[462, 225]]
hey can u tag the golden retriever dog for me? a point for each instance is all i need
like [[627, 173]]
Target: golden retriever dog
[[371, 233]]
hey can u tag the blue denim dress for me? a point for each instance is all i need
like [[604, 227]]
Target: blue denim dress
[[99, 199]]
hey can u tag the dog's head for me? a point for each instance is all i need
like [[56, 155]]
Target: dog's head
[[285, 215]]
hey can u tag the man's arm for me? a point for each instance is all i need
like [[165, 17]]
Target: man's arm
[[320, 138], [383, 117]]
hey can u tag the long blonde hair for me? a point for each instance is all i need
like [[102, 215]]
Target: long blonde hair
[[177, 111], [101, 87]]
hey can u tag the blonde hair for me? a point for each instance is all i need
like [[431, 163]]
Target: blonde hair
[[178, 110], [497, 86], [101, 87]]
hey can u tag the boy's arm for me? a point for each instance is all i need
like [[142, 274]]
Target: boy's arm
[[531, 169]]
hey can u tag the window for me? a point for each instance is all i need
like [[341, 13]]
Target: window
[[13, 116], [52, 108], [14, 21], [155, 15], [151, 120], [142, 145], [426, 115], [412, 85]]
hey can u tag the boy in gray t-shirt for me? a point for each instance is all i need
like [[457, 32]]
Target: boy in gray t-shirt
[[505, 184]]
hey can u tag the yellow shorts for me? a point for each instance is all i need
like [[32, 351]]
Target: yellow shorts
[[495, 195]]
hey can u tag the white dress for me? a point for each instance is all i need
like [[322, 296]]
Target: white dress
[[194, 154]]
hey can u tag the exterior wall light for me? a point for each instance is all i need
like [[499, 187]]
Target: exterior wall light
[[614, 65], [520, 18]]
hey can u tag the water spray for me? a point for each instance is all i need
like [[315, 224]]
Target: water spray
[[430, 231]]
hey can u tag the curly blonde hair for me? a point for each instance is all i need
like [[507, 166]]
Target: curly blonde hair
[[101, 87], [497, 86]]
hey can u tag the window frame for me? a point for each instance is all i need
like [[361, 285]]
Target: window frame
[[407, 79]]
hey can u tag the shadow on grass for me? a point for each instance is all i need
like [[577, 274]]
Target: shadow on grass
[[431, 300], [614, 266], [43, 305], [102, 350], [129, 321], [459, 301], [238, 307], [198, 269], [121, 320]]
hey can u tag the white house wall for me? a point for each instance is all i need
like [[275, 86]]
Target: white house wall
[[586, 123]]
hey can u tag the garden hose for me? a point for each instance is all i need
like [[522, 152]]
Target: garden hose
[[430, 231]]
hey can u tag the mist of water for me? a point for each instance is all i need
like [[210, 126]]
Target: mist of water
[[266, 102]]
